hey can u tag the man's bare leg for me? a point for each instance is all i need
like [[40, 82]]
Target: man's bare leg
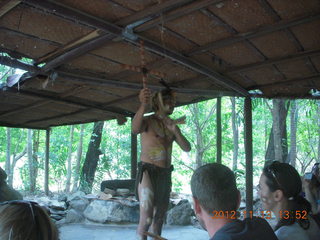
[[158, 219], [146, 197]]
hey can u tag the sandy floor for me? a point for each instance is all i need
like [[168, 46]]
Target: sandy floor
[[127, 232]]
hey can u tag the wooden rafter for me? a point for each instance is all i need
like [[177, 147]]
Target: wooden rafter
[[65, 115], [291, 82], [268, 8], [66, 12], [7, 5], [42, 103], [74, 102], [299, 55], [174, 14], [151, 11], [81, 78], [92, 35], [259, 32]]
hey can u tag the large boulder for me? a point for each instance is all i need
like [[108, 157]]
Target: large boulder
[[181, 214], [7, 193], [112, 211], [120, 183]]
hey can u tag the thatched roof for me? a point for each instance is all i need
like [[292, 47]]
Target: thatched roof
[[203, 49]]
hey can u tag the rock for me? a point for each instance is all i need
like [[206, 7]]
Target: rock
[[55, 204], [7, 193], [79, 204], [73, 217], [180, 214], [76, 195], [120, 183], [123, 191], [91, 197], [56, 217], [111, 211], [109, 191], [62, 198], [104, 196]]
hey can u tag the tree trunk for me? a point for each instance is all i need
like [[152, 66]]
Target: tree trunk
[[79, 154], [36, 142], [30, 161], [200, 145], [279, 114], [68, 182], [293, 132], [235, 134], [92, 158], [276, 130], [8, 160]]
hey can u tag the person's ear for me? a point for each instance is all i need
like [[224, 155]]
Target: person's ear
[[278, 195], [196, 206]]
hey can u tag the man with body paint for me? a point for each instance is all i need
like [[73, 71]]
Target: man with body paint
[[158, 132]]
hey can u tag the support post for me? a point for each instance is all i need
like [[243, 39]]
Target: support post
[[219, 135], [133, 156], [46, 164], [249, 155]]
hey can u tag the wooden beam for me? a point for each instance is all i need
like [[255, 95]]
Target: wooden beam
[[7, 124], [57, 116], [7, 5], [269, 9], [75, 102], [182, 11], [155, 9], [290, 82], [41, 103], [92, 35], [311, 53], [11, 62], [257, 33], [77, 16], [78, 51], [249, 154], [96, 81], [46, 163], [219, 131]]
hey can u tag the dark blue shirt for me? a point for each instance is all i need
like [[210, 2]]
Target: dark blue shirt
[[249, 229]]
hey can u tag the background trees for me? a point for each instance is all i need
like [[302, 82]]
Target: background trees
[[107, 145]]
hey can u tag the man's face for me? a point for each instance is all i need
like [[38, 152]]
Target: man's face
[[169, 103]]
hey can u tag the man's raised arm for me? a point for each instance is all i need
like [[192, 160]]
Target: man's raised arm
[[138, 124]]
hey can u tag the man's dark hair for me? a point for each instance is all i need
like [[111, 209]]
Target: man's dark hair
[[214, 186]]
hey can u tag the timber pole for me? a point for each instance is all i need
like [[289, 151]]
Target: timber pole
[[249, 154], [219, 135], [46, 164]]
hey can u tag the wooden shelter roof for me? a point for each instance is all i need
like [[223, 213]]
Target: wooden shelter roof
[[204, 49]]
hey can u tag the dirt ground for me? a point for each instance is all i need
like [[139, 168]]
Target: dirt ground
[[128, 232]]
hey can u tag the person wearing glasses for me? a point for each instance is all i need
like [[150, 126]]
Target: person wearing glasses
[[280, 189], [312, 188], [216, 200], [25, 220]]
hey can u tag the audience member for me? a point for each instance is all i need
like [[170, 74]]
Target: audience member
[[280, 192], [216, 200], [312, 189], [25, 220]]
